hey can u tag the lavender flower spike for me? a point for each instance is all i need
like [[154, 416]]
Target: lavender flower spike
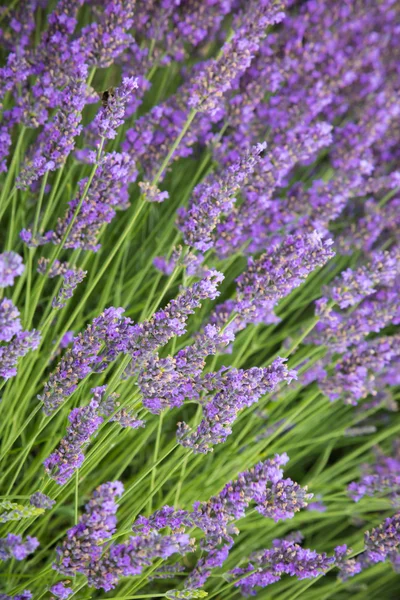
[[10, 267], [111, 115], [12, 546], [68, 457]]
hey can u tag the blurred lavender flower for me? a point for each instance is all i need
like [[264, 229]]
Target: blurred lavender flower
[[60, 590], [57, 139], [354, 374], [12, 546], [379, 478], [21, 344], [40, 500], [10, 267], [10, 322]]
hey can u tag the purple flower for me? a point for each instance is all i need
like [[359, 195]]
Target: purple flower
[[84, 543], [219, 75], [57, 139], [12, 546], [68, 456], [111, 115], [91, 352], [10, 323], [40, 500], [353, 286], [355, 372], [20, 345], [381, 477], [214, 197], [107, 193], [25, 595], [285, 556], [233, 390], [102, 41], [108, 407], [10, 267], [60, 590]]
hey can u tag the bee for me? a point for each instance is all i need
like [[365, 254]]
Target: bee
[[106, 96]]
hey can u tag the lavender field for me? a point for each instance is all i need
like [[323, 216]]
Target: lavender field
[[199, 299]]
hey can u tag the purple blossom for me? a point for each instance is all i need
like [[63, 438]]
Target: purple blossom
[[111, 115], [92, 351], [12, 546], [353, 286], [84, 542], [10, 267], [233, 390], [72, 277], [380, 478], [109, 407], [25, 595], [214, 197], [21, 344], [62, 591], [102, 41], [285, 556], [107, 193], [57, 139], [219, 75], [354, 374], [68, 456], [10, 322], [40, 500]]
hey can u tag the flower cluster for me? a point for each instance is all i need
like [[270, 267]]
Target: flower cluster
[[285, 557], [231, 391], [10, 267], [13, 546], [85, 552]]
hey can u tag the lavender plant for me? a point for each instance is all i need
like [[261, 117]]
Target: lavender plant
[[199, 278]]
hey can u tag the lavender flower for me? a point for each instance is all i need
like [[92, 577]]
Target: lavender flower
[[382, 478], [341, 330], [352, 286], [91, 352], [10, 323], [40, 500], [68, 456], [10, 267], [111, 115], [236, 55], [12, 546], [25, 595], [102, 41], [167, 382], [236, 390], [72, 277], [284, 557], [107, 193], [20, 345], [108, 407], [213, 198], [354, 375], [84, 543], [57, 139], [383, 541], [60, 590]]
